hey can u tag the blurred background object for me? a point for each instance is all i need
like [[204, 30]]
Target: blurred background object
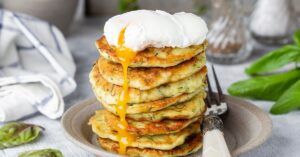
[[110, 7], [57, 12], [102, 7], [36, 67], [229, 40], [273, 21]]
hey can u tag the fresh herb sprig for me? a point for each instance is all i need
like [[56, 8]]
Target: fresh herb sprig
[[42, 153], [268, 87], [282, 87], [14, 134], [128, 5]]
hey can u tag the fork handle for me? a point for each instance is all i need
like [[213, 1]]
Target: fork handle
[[214, 144]]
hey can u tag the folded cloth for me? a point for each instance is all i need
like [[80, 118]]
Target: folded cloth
[[36, 67]]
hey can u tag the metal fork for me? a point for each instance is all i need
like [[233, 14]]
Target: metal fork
[[214, 144]]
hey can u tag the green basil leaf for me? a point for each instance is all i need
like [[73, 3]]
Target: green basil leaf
[[42, 153], [296, 37], [14, 134], [275, 59], [289, 100], [128, 5], [265, 87]]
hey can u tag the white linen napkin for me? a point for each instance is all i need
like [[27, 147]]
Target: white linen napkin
[[36, 67]]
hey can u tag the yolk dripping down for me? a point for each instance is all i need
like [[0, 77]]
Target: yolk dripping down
[[125, 55]]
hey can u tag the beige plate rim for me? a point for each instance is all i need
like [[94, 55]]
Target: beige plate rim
[[80, 141]]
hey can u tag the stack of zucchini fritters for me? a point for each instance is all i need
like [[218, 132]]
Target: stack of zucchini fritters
[[166, 107]]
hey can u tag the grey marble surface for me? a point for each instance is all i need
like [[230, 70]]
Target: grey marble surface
[[284, 141]]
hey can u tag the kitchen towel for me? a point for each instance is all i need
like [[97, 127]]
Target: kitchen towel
[[36, 67]]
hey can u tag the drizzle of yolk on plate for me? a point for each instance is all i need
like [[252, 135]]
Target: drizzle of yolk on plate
[[125, 56]]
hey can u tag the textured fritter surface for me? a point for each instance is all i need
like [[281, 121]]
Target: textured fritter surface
[[153, 57], [191, 145], [186, 110], [147, 78], [163, 142], [146, 127], [154, 105], [108, 92]]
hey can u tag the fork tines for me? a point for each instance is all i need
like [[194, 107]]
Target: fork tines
[[215, 102], [221, 97]]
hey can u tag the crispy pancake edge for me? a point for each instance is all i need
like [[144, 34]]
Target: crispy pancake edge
[[191, 145], [153, 57], [147, 78], [109, 93]]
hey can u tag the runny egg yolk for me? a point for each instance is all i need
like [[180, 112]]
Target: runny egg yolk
[[125, 56]]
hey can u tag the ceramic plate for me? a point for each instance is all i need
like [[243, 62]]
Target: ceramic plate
[[246, 127]]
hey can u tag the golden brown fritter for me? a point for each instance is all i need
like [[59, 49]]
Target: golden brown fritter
[[147, 78], [146, 127], [108, 93], [154, 105], [186, 110], [153, 57], [163, 141], [192, 144]]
